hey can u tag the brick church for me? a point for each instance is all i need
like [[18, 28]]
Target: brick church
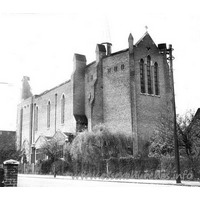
[[126, 91]]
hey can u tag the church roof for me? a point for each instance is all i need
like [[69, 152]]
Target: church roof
[[142, 38], [36, 96], [102, 48], [48, 138], [197, 114], [67, 133]]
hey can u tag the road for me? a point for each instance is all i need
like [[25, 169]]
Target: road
[[60, 187], [48, 181]]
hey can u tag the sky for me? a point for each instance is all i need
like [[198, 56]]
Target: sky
[[39, 38]]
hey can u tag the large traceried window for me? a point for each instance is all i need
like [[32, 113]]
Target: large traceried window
[[142, 76], [156, 78], [149, 82], [48, 113], [149, 77], [63, 109]]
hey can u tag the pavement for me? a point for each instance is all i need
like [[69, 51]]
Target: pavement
[[135, 181]]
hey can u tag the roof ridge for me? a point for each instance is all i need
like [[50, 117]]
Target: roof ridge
[[146, 33], [46, 91]]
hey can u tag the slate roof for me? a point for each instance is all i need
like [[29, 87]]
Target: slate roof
[[146, 34], [38, 95]]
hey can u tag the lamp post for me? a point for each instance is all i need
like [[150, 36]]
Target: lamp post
[[176, 147]]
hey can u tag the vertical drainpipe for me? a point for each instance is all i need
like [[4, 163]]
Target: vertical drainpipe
[[33, 135], [30, 125], [31, 121], [55, 111], [34, 118]]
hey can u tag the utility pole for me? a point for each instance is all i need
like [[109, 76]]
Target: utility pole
[[176, 147]]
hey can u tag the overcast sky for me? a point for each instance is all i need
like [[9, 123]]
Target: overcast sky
[[39, 39]]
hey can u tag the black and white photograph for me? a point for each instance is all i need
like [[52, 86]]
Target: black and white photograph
[[100, 97]]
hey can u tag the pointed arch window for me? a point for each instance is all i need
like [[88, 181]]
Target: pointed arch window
[[156, 78], [63, 109], [142, 76], [21, 126], [48, 114], [36, 118], [149, 82]]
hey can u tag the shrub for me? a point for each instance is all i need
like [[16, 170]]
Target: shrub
[[46, 166]]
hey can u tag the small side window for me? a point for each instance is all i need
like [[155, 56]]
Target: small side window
[[109, 70]]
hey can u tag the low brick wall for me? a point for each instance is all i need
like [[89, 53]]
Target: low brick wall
[[10, 175], [1, 177]]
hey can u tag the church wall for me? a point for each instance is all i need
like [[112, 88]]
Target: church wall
[[18, 125], [23, 133], [90, 80], [42, 101], [116, 93], [25, 106], [29, 135], [97, 107], [149, 106]]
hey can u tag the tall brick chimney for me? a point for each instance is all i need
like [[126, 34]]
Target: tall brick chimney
[[78, 79], [108, 48], [100, 52], [26, 89], [130, 43]]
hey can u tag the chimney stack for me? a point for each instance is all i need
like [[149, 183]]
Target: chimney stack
[[100, 52], [108, 48], [26, 89], [130, 43]]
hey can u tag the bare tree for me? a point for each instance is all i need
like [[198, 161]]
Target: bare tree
[[100, 145], [53, 149], [8, 148], [162, 140], [188, 130], [189, 139]]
